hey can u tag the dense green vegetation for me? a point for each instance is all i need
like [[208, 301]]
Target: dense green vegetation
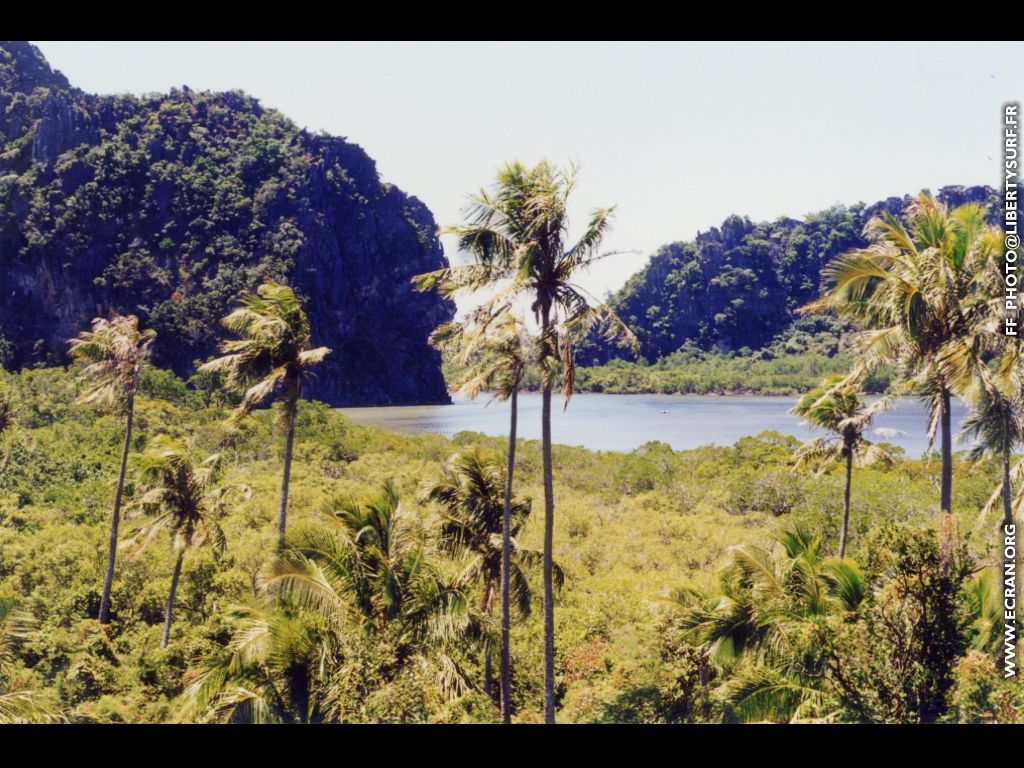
[[143, 577], [632, 529], [170, 206], [813, 347], [741, 284], [925, 294], [691, 372]]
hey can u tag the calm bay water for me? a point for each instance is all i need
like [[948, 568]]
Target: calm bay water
[[624, 422]]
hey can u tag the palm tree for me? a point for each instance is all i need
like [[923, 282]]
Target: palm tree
[[361, 572], [186, 502], [517, 235], [836, 406], [996, 423], [18, 706], [114, 351], [984, 611], [272, 671], [759, 623], [499, 350], [992, 366], [367, 562], [272, 358], [474, 527], [918, 290]]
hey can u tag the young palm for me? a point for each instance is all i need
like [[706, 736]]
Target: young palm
[[186, 501], [836, 406], [498, 351], [365, 565], [18, 706], [517, 235], [272, 671], [759, 624], [359, 575], [478, 521], [271, 359], [114, 352], [919, 291]]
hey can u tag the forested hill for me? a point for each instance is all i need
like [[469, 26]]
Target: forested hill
[[169, 206], [739, 285]]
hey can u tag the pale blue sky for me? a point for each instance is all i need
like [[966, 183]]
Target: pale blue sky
[[678, 135]]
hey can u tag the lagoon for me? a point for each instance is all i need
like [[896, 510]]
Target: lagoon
[[604, 422]]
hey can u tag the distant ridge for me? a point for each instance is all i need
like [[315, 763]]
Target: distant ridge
[[739, 285]]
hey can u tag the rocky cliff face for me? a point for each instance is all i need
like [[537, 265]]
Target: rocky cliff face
[[170, 206], [739, 285]]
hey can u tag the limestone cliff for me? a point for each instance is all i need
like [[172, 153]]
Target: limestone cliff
[[170, 206]]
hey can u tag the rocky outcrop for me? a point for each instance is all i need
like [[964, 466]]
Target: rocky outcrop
[[739, 285], [171, 206]]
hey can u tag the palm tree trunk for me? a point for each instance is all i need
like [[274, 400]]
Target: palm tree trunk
[[946, 502], [169, 616], [506, 567], [846, 504], [289, 443], [115, 520], [549, 536]]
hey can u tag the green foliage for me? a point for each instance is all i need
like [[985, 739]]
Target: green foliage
[[184, 179], [895, 662], [792, 365], [982, 695], [271, 357], [630, 526], [739, 285], [171, 206], [791, 636]]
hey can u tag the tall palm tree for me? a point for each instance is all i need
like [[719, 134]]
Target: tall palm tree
[[518, 238], [271, 359], [836, 406], [996, 424], [114, 352], [757, 625], [992, 365], [917, 287], [19, 706], [474, 527], [498, 349], [186, 502]]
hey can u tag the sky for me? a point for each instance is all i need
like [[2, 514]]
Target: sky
[[677, 135]]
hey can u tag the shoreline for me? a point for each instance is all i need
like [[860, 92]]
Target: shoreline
[[484, 397]]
